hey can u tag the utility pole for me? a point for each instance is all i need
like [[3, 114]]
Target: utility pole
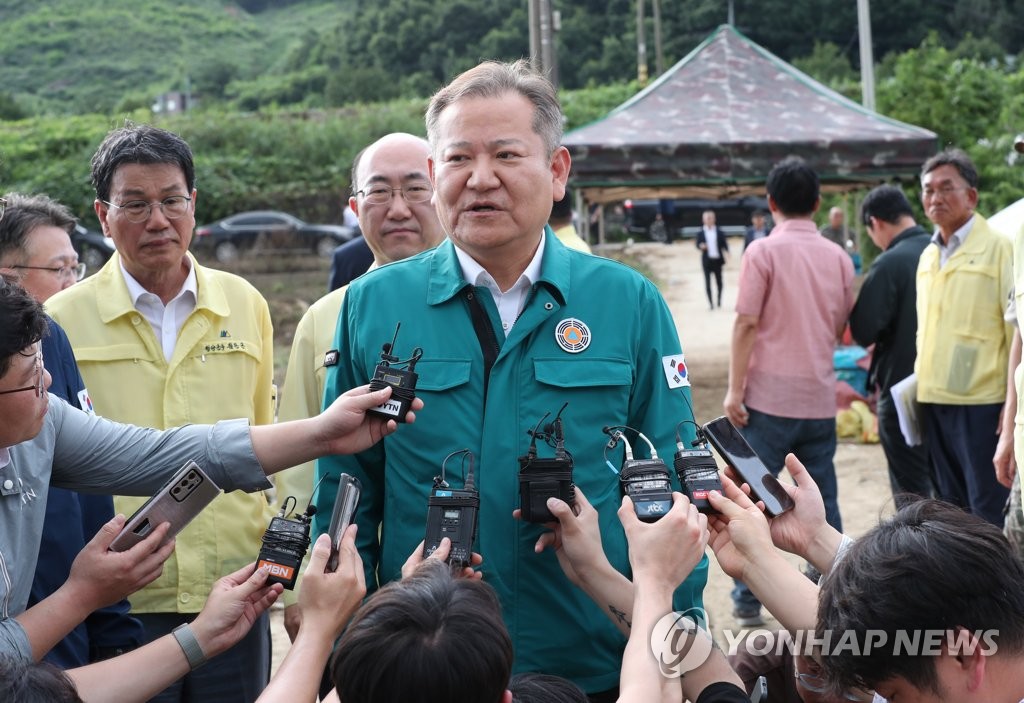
[[732, 15], [543, 52], [867, 55], [659, 55], [641, 45]]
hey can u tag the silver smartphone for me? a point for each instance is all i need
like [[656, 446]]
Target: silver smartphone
[[345, 503], [181, 499]]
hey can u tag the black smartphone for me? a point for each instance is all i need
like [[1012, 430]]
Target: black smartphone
[[731, 445], [345, 503]]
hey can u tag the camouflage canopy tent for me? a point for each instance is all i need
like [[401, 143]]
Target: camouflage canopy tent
[[715, 123]]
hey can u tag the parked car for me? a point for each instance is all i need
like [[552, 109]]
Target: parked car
[[93, 248], [267, 232], [732, 216]]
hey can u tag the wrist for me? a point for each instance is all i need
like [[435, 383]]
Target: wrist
[[821, 552], [190, 646]]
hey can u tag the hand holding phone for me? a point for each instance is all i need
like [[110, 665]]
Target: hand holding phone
[[345, 503], [181, 499], [731, 445]]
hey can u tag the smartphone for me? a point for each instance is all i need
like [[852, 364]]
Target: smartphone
[[181, 499], [729, 443], [345, 503]]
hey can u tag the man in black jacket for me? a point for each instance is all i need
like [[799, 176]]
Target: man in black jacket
[[885, 315], [713, 248]]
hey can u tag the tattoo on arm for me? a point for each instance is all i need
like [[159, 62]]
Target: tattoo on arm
[[620, 616]]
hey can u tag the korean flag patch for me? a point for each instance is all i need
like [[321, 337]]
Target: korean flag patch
[[676, 372]]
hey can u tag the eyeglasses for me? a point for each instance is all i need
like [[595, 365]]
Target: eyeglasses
[[38, 387], [943, 191], [76, 272], [139, 210], [412, 192], [815, 684]]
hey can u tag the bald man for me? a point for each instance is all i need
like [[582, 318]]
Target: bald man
[[391, 197]]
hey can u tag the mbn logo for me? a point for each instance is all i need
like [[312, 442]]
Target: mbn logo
[[284, 572]]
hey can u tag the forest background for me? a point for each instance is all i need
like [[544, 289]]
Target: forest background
[[286, 93]]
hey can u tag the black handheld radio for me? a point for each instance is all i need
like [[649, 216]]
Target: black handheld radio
[[645, 481], [697, 471], [401, 380], [540, 479], [453, 513], [285, 543]]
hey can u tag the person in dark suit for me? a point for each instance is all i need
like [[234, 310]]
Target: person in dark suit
[[713, 247], [758, 228], [349, 261]]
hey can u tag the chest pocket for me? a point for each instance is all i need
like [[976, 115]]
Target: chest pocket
[[978, 282], [442, 374], [597, 389]]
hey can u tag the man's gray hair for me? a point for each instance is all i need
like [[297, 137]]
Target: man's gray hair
[[492, 79]]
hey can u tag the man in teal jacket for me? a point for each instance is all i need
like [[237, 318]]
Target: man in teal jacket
[[561, 326]]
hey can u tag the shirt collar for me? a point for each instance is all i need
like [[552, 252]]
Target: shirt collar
[[5, 456], [136, 291], [476, 274], [959, 236]]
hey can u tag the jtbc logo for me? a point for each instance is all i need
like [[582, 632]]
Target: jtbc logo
[[284, 572]]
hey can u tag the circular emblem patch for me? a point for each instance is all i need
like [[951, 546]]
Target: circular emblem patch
[[572, 335]]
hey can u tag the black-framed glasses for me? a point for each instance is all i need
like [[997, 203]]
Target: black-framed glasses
[[815, 684], [38, 386], [944, 191], [139, 210], [412, 192], [76, 272]]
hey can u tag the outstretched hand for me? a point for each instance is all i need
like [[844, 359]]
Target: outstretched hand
[[101, 577], [575, 537], [328, 599], [739, 532], [440, 554], [803, 530], [666, 551], [234, 604], [346, 428]]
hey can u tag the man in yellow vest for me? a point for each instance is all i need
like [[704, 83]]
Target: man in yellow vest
[[963, 341], [162, 341]]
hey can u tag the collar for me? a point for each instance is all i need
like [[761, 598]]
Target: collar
[[797, 226], [476, 274], [5, 456], [914, 231], [446, 276], [959, 235], [114, 300], [136, 291]]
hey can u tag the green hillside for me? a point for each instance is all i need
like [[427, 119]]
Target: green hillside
[[80, 56]]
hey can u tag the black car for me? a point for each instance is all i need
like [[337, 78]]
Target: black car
[[93, 248], [267, 232], [732, 216]]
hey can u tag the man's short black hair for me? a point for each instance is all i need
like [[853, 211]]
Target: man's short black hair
[[140, 144], [887, 203], [22, 321], [25, 213], [432, 638], [35, 682], [958, 159], [561, 210], [794, 187], [931, 567]]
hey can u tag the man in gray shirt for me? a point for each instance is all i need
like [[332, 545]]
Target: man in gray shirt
[[43, 439]]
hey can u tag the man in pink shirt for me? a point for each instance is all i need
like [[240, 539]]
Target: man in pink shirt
[[795, 295]]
